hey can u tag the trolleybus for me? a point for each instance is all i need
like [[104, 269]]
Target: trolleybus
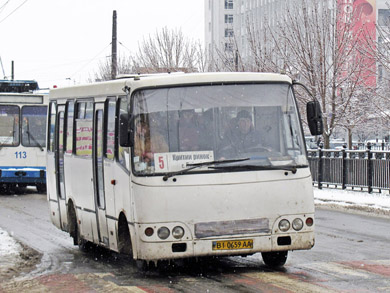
[[178, 166], [23, 116]]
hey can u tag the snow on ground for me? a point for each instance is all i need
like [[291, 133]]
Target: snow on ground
[[9, 253], [363, 201], [8, 246]]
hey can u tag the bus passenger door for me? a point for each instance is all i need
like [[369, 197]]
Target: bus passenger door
[[98, 167], [60, 178]]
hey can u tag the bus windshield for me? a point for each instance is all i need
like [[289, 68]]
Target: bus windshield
[[255, 124], [34, 126], [9, 125]]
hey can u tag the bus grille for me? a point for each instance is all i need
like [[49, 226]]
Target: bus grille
[[250, 226]]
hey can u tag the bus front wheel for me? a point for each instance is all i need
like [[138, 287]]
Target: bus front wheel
[[275, 259], [124, 238]]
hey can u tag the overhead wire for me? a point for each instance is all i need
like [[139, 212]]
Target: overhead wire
[[13, 11], [4, 5], [93, 59]]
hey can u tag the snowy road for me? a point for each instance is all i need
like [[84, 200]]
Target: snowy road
[[351, 254]]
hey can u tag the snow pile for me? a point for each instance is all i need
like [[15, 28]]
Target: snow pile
[[10, 255], [344, 198], [8, 246]]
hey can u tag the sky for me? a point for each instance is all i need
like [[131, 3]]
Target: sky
[[10, 249], [61, 42]]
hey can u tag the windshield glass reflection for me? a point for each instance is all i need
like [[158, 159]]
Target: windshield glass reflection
[[174, 127]]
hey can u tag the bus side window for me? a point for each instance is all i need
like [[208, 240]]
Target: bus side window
[[84, 129], [110, 128], [69, 127], [123, 153], [51, 127]]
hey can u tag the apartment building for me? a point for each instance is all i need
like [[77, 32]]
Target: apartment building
[[227, 22]]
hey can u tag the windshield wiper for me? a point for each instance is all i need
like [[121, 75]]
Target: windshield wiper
[[33, 138], [197, 165], [293, 169]]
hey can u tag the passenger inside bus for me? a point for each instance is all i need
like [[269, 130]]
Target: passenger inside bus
[[189, 132], [145, 144], [241, 138]]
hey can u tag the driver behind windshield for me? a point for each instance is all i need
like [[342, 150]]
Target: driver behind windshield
[[241, 138]]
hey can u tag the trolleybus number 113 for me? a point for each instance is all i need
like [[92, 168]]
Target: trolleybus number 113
[[20, 155]]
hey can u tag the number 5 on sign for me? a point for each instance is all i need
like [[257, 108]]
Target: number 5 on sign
[[161, 162]]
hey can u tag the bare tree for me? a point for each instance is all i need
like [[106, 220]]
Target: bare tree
[[103, 72], [316, 42], [169, 51]]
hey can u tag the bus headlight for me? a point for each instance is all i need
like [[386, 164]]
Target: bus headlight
[[178, 232], [163, 233], [297, 224], [284, 225]]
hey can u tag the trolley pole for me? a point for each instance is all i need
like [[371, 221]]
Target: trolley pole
[[114, 65]]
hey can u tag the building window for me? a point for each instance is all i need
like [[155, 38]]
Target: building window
[[228, 18], [228, 4], [383, 17], [228, 47], [229, 32]]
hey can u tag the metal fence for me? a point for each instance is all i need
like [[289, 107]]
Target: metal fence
[[369, 169]]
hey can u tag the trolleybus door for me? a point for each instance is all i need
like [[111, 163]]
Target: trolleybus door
[[98, 167], [60, 178]]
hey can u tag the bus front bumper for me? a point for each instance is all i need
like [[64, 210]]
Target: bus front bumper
[[151, 251]]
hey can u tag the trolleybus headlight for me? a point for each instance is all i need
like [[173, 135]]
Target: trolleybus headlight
[[163, 233], [284, 225], [149, 231], [297, 224], [178, 232], [309, 222]]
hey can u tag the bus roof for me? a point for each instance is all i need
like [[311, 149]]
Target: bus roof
[[118, 86], [18, 86]]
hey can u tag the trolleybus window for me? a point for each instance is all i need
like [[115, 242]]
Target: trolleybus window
[[9, 125], [33, 126], [177, 126]]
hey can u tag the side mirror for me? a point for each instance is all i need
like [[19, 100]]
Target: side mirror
[[124, 131], [314, 118]]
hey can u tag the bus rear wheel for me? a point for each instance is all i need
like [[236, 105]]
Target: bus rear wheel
[[41, 187], [275, 259]]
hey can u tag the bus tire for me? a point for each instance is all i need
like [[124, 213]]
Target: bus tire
[[73, 228], [275, 259], [41, 187], [124, 238]]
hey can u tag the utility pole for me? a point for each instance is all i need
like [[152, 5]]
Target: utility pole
[[114, 65], [12, 70]]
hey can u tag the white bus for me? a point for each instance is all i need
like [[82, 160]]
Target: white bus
[[172, 166], [23, 117]]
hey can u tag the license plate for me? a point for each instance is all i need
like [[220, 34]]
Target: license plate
[[233, 244]]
